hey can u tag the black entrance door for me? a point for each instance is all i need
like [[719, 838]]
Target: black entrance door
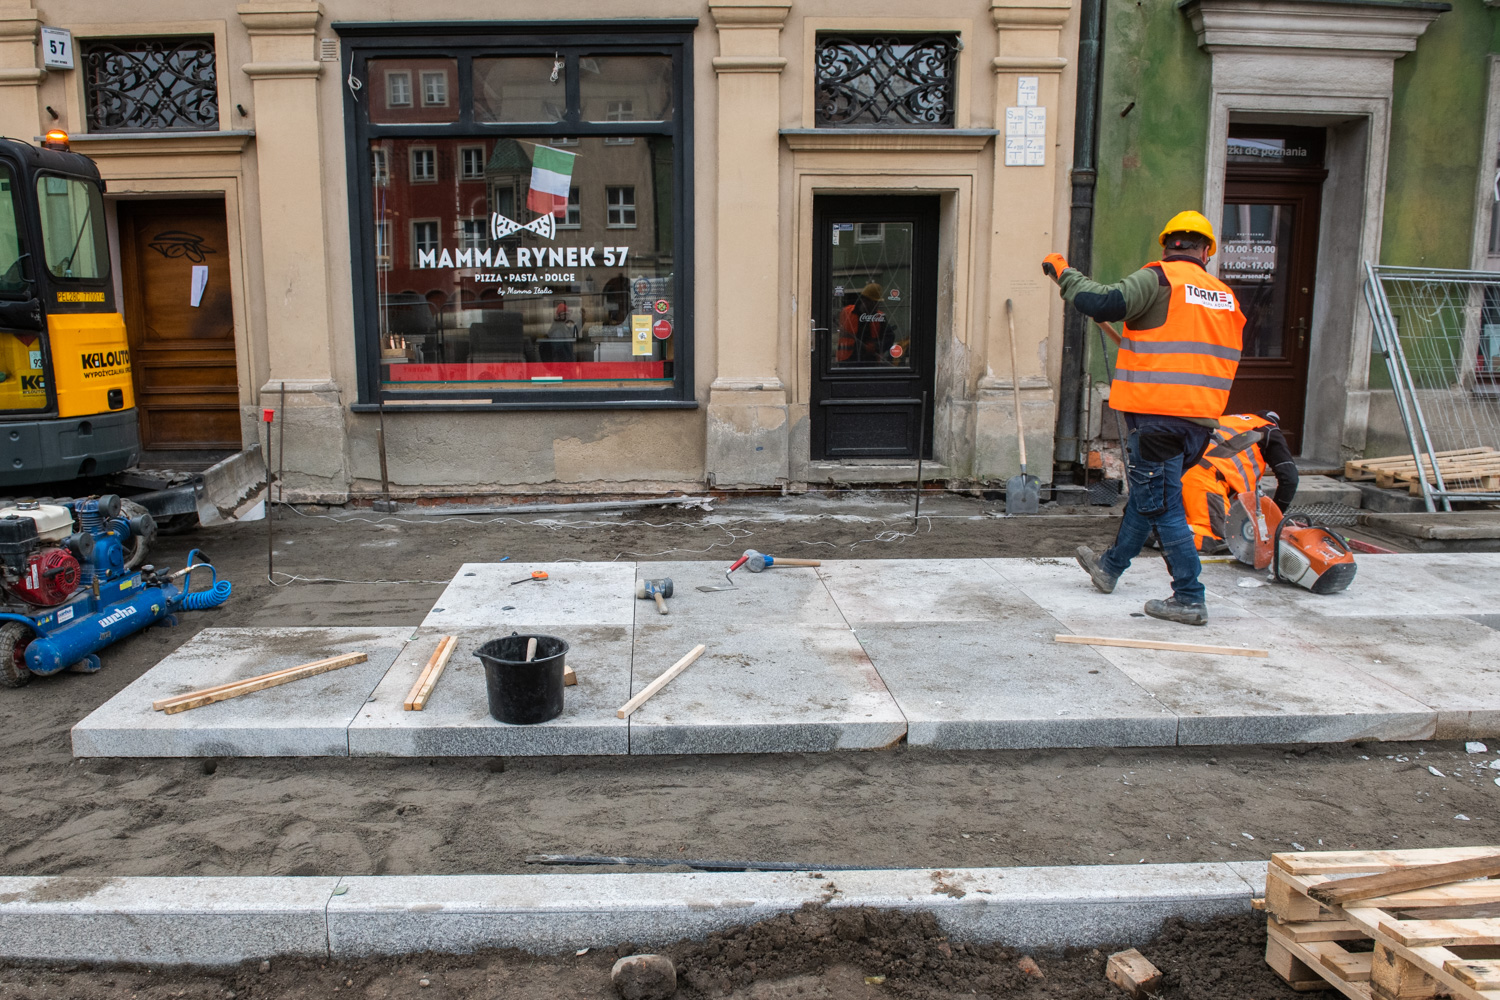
[[874, 325]]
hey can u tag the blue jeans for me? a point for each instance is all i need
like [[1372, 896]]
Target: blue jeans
[[1159, 448]]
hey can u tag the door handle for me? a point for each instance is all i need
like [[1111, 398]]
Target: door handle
[[812, 341], [1301, 332]]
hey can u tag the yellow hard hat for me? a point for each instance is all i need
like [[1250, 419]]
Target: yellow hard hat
[[1190, 222]]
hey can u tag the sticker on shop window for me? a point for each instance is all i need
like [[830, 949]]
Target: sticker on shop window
[[894, 295], [661, 329], [662, 306], [896, 351]]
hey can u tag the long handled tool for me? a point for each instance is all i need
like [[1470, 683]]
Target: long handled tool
[[1109, 369], [1021, 491]]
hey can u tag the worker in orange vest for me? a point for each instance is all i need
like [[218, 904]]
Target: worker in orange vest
[[1239, 451], [1177, 360]]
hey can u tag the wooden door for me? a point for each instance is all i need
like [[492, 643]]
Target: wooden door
[[179, 315], [1268, 250], [874, 326]]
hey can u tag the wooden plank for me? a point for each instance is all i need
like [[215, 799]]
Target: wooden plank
[[1359, 862], [1395, 977], [1452, 894], [162, 703], [625, 710], [1180, 647], [416, 699], [1444, 933], [1397, 461], [1133, 972], [1287, 899], [1308, 931], [197, 699], [569, 677], [1480, 974], [1281, 953], [1351, 966], [1405, 879]]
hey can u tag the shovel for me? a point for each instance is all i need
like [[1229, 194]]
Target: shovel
[[1020, 491]]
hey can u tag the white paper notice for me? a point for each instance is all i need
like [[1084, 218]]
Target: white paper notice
[[200, 282], [1015, 121], [1026, 90], [1036, 152], [1015, 152], [1036, 122]]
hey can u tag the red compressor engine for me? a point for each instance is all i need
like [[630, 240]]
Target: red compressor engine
[[40, 553]]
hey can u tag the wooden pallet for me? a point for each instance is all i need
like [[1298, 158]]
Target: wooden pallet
[[1413, 944], [1464, 469]]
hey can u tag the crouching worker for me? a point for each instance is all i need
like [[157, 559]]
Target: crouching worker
[[1239, 451], [1177, 360]]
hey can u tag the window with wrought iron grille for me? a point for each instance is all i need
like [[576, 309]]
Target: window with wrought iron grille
[[158, 84], [886, 81]]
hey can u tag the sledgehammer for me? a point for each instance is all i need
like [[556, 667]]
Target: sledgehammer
[[759, 561], [657, 589]]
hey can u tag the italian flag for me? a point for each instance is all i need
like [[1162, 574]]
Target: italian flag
[[551, 176]]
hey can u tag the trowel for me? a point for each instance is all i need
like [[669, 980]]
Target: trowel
[[737, 564]]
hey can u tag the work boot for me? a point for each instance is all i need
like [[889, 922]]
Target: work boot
[[1184, 614], [1087, 560]]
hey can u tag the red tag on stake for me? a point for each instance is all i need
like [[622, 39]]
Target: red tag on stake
[[268, 415]]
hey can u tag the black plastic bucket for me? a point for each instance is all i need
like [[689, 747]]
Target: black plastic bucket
[[524, 693]]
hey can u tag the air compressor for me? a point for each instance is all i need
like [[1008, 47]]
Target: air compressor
[[67, 593]]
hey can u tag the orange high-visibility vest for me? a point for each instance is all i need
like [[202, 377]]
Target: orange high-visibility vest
[[1184, 367], [1232, 464]]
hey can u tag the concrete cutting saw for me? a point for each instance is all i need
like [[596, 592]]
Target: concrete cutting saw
[[1297, 550]]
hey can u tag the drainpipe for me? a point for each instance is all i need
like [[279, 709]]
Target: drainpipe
[[1080, 234]]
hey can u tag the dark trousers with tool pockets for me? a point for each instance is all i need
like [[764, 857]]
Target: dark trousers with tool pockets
[[1159, 448]]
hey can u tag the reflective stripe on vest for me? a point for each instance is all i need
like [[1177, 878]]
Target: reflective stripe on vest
[[1186, 366]]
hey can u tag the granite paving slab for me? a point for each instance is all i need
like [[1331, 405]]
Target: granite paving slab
[[486, 594], [306, 718], [795, 595], [760, 689], [1062, 589], [1449, 663], [457, 720], [1300, 693], [918, 590], [1006, 684], [1403, 584]]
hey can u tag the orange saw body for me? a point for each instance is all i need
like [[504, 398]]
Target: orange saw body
[[1298, 551]]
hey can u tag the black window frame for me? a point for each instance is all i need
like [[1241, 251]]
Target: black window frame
[[464, 42]]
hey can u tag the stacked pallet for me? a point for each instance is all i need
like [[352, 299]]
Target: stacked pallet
[[1387, 925], [1465, 470]]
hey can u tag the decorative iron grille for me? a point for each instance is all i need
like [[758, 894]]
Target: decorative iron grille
[[887, 81], [151, 85]]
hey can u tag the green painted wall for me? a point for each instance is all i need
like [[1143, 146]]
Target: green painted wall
[[1437, 127]]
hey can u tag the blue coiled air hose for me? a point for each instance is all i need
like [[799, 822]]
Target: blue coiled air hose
[[216, 594]]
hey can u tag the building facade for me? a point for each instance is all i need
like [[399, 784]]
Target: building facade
[[726, 244], [1318, 135]]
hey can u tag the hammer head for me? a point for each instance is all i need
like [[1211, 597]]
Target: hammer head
[[645, 589], [755, 561]]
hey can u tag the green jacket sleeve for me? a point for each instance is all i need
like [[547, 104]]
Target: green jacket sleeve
[[1142, 292]]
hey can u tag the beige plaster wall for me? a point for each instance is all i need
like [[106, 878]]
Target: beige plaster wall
[[287, 195]]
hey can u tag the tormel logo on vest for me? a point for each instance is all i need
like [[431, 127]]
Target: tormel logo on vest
[[1209, 298]]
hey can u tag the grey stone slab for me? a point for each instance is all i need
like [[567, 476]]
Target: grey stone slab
[[1019, 907], [1400, 584], [163, 921], [457, 720], [1253, 872], [1062, 589], [795, 595], [1298, 694], [1313, 489], [918, 590], [1008, 684], [307, 718], [485, 594], [1448, 663], [760, 689]]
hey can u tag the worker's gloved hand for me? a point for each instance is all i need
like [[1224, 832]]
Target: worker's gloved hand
[[1053, 265]]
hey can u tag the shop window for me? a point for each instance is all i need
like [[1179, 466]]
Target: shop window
[[434, 90], [886, 81], [150, 84], [507, 291], [574, 217], [620, 207], [383, 246], [424, 165], [471, 163], [424, 239]]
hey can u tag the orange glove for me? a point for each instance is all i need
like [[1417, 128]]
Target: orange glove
[[1053, 265]]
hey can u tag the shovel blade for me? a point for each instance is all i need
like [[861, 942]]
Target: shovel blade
[[1021, 494]]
